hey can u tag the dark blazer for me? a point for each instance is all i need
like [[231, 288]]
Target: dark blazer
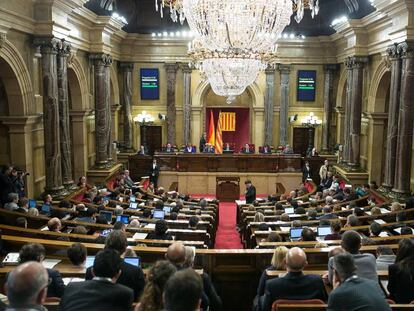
[[306, 173], [131, 277], [295, 286], [215, 302], [358, 294], [56, 287], [154, 236], [400, 285], [262, 282], [96, 295], [250, 195], [202, 144]]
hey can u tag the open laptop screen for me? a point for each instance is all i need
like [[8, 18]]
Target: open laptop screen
[[295, 233], [323, 231], [123, 218], [107, 215], [135, 261], [159, 214]]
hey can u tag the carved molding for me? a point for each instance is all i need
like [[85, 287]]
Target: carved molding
[[3, 38], [406, 49], [106, 59]]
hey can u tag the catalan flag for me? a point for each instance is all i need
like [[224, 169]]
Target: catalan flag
[[228, 121], [211, 135], [219, 139]]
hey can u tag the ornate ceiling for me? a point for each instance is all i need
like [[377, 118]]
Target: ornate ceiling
[[142, 17]]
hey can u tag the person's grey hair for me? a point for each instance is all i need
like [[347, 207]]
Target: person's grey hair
[[134, 223], [119, 210], [13, 196], [344, 265], [23, 290], [190, 253], [328, 199], [33, 211]]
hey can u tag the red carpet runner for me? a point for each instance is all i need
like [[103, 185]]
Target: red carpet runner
[[227, 236]]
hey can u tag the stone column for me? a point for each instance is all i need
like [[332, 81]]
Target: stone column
[[171, 69], [101, 63], [393, 111], [53, 164], [63, 98], [405, 122], [284, 104], [108, 109], [356, 110], [268, 104], [127, 69], [187, 104], [347, 120], [327, 105]]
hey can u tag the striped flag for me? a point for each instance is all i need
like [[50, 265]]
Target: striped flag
[[228, 121], [219, 139], [210, 135]]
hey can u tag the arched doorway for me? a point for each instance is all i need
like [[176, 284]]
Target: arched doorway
[[4, 131]]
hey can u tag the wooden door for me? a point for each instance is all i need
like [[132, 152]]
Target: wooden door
[[153, 135], [300, 140]]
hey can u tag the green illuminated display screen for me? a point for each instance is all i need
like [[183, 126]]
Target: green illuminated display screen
[[306, 85], [150, 83]]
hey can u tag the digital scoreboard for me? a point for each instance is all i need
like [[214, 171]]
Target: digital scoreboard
[[150, 83], [306, 85]]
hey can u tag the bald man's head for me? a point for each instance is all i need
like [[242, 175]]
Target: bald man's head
[[176, 254], [27, 284], [296, 259], [54, 224]]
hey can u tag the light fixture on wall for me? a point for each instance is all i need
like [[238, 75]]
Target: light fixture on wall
[[144, 118]]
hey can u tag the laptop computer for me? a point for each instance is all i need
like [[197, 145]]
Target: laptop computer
[[106, 232], [289, 210], [295, 234], [107, 215], [32, 203], [123, 218], [89, 261], [324, 231], [132, 198], [159, 214], [135, 261], [133, 205], [167, 209], [45, 209]]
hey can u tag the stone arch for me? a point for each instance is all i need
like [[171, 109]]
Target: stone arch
[[341, 96], [78, 86], [379, 90], [16, 79]]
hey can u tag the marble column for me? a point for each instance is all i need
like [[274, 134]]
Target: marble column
[[284, 104], [327, 105], [356, 110], [53, 162], [63, 98], [393, 111], [187, 104], [108, 110], [127, 69], [101, 63], [268, 104], [405, 122], [171, 69], [347, 119]]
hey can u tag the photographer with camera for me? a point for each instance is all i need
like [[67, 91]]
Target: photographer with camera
[[6, 183]]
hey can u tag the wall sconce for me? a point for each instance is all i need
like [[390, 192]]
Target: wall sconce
[[144, 118], [311, 120]]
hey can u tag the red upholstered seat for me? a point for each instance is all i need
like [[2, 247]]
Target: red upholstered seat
[[296, 302]]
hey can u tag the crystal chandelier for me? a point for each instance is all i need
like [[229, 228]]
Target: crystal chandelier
[[299, 7]]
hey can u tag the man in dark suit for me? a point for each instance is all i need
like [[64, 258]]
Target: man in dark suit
[[131, 276], [155, 172], [351, 292], [246, 149], [294, 285], [250, 192], [169, 148], [101, 293], [306, 172], [203, 141]]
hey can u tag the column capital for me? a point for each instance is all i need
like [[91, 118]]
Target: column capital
[[284, 69], [64, 48], [126, 66], [330, 67], [406, 49], [393, 52], [106, 59], [270, 69], [48, 44], [171, 67], [356, 62], [185, 68]]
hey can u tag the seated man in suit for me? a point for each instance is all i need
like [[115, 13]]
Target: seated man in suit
[[227, 148], [131, 276], [295, 285], [366, 264], [352, 292], [102, 292], [209, 148], [288, 150], [142, 150], [188, 148], [246, 149], [169, 148], [26, 287]]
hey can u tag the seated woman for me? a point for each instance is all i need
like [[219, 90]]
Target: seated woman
[[209, 148], [278, 263], [401, 274], [160, 232], [188, 149], [83, 184], [266, 149]]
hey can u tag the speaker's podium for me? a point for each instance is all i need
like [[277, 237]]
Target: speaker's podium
[[227, 188]]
